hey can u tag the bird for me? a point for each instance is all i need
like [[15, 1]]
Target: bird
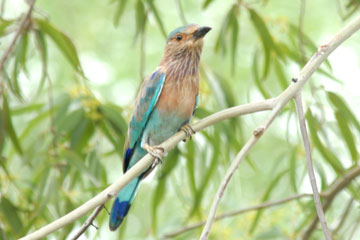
[[165, 103]]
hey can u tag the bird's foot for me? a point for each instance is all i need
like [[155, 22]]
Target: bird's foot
[[157, 152], [189, 131]]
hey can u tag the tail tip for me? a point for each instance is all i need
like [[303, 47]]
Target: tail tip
[[118, 213]]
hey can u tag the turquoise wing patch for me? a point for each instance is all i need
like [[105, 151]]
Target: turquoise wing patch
[[145, 103]]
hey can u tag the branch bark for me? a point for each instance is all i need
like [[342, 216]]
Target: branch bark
[[305, 137], [274, 104], [330, 194], [88, 222], [235, 213], [17, 34], [144, 163], [304, 75]]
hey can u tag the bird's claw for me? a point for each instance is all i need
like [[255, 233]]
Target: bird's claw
[[157, 152], [189, 131]]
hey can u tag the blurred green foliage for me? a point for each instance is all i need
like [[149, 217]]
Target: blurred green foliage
[[67, 90]]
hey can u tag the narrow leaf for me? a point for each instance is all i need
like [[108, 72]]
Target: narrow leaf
[[347, 135], [119, 11], [9, 128], [62, 41]]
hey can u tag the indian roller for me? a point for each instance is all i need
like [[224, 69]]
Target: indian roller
[[165, 104]]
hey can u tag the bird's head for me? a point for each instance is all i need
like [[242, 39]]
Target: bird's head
[[185, 39]]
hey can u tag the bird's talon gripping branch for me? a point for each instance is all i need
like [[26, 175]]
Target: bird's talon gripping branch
[[189, 131], [157, 152]]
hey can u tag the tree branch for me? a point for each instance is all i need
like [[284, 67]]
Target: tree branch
[[330, 194], [275, 104], [334, 189], [305, 137], [304, 75], [88, 222], [17, 34], [144, 163], [237, 212]]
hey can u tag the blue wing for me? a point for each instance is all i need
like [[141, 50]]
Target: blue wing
[[146, 100]]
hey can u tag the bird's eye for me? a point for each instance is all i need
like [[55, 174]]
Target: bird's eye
[[178, 37]]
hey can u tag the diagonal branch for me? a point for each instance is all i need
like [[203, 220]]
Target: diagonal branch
[[17, 34], [88, 222], [304, 75], [305, 137], [237, 212], [275, 104], [145, 162], [334, 188]]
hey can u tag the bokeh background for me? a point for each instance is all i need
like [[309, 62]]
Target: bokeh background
[[68, 89]]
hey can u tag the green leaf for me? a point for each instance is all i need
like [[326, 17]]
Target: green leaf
[[347, 135], [221, 42], [4, 24], [119, 11], [9, 128], [158, 196], [42, 49], [207, 3], [78, 162], [81, 134], [327, 154], [343, 108], [266, 196], [157, 17], [113, 115], [62, 41], [190, 165], [292, 174], [280, 74], [266, 39], [27, 109], [10, 214], [140, 17], [234, 40], [258, 83]]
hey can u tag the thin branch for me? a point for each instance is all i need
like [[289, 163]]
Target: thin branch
[[343, 217], [304, 75], [305, 137], [181, 11], [144, 163], [275, 103], [88, 222], [237, 212], [17, 34], [2, 8], [334, 189], [301, 28], [330, 194]]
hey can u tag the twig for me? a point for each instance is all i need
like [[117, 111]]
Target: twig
[[275, 103], [305, 137], [144, 163], [356, 227], [334, 189], [301, 28], [2, 230], [237, 212], [343, 217], [88, 222], [2, 8], [330, 194], [181, 11], [304, 75], [17, 34]]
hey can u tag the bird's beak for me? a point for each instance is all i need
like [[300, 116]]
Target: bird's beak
[[201, 32]]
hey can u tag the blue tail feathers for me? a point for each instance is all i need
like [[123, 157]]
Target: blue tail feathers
[[122, 203]]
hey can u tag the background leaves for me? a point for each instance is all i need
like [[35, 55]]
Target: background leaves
[[62, 134]]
